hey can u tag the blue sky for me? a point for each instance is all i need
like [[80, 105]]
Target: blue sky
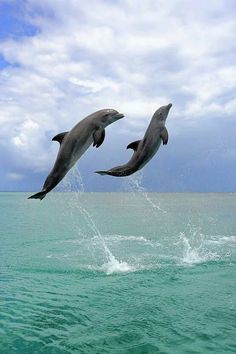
[[60, 61]]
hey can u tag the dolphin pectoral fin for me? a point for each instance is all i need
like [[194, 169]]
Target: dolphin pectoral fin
[[98, 137], [133, 145], [164, 136], [59, 137]]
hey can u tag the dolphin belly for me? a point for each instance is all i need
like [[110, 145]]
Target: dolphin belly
[[79, 150], [148, 153], [67, 157], [65, 162]]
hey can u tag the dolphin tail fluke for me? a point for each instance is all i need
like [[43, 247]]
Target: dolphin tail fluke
[[102, 173], [39, 195]]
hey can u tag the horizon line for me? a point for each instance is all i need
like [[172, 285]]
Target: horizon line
[[161, 192]]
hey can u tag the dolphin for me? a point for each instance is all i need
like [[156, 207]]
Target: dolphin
[[74, 143], [144, 149]]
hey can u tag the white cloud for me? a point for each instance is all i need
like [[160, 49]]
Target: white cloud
[[129, 55], [15, 176], [95, 86]]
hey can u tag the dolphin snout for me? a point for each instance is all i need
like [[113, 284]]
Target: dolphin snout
[[168, 107], [119, 115]]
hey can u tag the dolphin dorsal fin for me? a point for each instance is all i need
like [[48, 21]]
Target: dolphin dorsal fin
[[134, 145], [59, 137]]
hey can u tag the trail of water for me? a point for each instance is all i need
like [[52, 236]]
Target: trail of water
[[133, 184], [73, 182]]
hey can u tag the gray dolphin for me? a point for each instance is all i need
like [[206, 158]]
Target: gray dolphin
[[74, 143], [146, 148]]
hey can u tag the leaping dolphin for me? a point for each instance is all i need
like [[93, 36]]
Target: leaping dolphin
[[74, 143], [146, 148]]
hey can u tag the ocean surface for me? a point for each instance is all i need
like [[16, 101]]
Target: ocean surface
[[129, 272]]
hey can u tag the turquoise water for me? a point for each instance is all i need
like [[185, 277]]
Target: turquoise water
[[117, 273]]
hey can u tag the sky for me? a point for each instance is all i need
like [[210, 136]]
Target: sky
[[61, 60]]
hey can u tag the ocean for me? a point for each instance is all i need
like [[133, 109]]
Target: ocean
[[130, 272]]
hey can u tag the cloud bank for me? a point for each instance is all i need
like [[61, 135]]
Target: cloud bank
[[132, 56]]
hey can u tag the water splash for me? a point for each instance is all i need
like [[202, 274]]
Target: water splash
[[115, 266], [193, 245]]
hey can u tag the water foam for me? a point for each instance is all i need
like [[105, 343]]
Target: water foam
[[126, 238], [221, 239]]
